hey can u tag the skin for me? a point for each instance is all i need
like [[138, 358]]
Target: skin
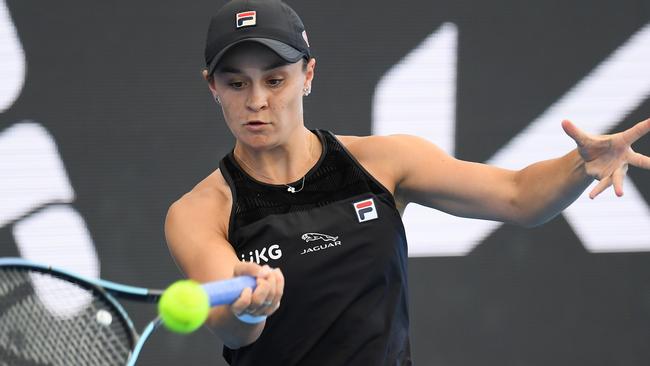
[[252, 84]]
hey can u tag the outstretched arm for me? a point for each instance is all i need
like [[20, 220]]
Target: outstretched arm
[[195, 229], [426, 175]]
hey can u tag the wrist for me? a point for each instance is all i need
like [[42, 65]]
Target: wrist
[[250, 319], [580, 165]]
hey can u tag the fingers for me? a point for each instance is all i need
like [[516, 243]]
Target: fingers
[[265, 300], [636, 132], [600, 187], [574, 132], [279, 286], [618, 178], [247, 269], [264, 293], [239, 306], [639, 160]]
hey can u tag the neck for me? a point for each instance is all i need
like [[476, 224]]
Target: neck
[[282, 164]]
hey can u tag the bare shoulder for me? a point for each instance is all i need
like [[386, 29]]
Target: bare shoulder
[[395, 159], [388, 149], [382, 156], [196, 230], [207, 204], [366, 149], [379, 147]]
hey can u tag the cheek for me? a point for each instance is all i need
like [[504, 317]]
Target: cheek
[[290, 102], [229, 112], [232, 104]]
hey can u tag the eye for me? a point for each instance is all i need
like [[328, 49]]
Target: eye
[[236, 84], [274, 82]]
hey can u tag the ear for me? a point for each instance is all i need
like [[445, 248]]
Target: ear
[[310, 72], [211, 83]]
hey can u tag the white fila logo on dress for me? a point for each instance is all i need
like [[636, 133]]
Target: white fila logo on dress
[[246, 19], [366, 210]]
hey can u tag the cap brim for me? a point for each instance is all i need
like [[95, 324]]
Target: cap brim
[[282, 49]]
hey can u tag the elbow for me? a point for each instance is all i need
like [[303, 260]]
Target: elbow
[[525, 213], [529, 224], [523, 222], [524, 216], [529, 221]]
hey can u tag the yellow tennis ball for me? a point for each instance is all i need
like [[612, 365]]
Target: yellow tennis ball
[[184, 306]]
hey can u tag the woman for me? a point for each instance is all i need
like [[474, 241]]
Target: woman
[[321, 211]]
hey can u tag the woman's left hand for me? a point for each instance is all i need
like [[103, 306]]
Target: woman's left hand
[[607, 157]]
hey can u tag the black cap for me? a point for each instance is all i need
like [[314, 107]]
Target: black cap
[[269, 22]]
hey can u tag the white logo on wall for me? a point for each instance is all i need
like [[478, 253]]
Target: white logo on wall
[[34, 187], [12, 61], [603, 98]]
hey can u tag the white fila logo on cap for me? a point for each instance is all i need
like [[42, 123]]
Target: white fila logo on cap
[[366, 210], [246, 19]]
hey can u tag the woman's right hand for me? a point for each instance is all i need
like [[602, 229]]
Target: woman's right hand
[[265, 300]]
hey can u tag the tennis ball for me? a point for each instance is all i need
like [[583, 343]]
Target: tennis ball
[[184, 306]]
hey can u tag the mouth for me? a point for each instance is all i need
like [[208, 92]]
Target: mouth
[[256, 123]]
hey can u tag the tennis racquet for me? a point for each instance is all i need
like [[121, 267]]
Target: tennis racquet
[[50, 316]]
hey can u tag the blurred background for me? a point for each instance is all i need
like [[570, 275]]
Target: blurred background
[[105, 121]]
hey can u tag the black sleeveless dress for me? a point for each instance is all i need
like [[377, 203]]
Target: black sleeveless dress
[[341, 245]]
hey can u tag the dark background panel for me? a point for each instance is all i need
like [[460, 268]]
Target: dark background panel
[[118, 86]]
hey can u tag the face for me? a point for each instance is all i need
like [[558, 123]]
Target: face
[[261, 95]]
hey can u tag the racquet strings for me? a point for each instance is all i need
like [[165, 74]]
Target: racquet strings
[[45, 320]]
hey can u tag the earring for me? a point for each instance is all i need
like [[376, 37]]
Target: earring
[[217, 100], [306, 91]]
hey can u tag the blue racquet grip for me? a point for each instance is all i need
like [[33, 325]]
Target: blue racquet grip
[[227, 291]]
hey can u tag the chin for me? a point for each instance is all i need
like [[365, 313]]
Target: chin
[[257, 140]]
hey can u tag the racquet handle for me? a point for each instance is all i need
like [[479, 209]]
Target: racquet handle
[[227, 291]]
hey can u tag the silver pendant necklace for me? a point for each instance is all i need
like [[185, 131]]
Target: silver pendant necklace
[[290, 189]]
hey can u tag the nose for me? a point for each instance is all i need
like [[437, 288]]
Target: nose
[[257, 99]]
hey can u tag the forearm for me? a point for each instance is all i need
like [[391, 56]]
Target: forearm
[[546, 188], [233, 332]]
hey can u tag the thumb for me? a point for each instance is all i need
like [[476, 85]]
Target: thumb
[[248, 269], [574, 132]]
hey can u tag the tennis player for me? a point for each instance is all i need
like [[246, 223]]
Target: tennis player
[[316, 216]]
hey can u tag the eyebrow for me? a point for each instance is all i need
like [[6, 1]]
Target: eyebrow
[[234, 70]]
